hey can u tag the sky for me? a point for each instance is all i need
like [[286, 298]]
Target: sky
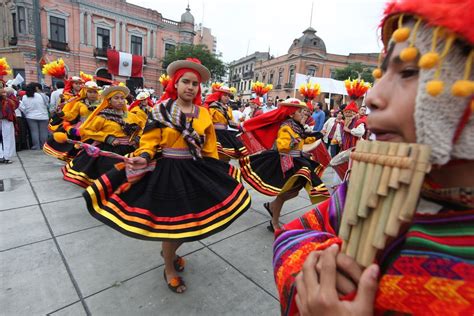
[[245, 26]]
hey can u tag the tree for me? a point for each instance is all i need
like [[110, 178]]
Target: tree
[[201, 52], [353, 71]]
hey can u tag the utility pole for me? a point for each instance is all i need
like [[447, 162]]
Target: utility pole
[[38, 44]]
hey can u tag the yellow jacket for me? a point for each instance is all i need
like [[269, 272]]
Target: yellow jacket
[[288, 140], [166, 137], [100, 128], [79, 108], [218, 117]]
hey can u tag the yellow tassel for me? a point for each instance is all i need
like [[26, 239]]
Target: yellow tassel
[[401, 35], [409, 54], [377, 73], [429, 60], [435, 87], [462, 88]]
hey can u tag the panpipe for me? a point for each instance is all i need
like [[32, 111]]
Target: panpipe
[[384, 186]]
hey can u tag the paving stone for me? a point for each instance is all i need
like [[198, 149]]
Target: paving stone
[[34, 280], [35, 158], [22, 226], [56, 189], [68, 216], [214, 288], [251, 253], [15, 190], [73, 310], [44, 172], [101, 257], [244, 222], [289, 206]]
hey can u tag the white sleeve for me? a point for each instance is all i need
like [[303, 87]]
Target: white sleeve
[[359, 131]]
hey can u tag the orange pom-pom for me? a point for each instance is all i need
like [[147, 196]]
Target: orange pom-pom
[[60, 137], [435, 87], [408, 54], [462, 88], [377, 73], [401, 34], [428, 60]]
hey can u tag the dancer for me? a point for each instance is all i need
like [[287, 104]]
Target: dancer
[[228, 145], [73, 114], [142, 106], [186, 193], [282, 169], [110, 127], [423, 94]]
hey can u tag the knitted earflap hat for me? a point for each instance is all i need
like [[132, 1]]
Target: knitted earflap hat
[[440, 33]]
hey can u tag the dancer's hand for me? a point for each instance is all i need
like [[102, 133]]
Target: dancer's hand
[[317, 294], [136, 163]]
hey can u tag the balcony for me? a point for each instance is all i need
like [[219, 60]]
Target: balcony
[[289, 85], [278, 87], [58, 45], [248, 75], [13, 41], [100, 52]]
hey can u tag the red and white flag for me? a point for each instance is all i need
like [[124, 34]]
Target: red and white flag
[[124, 64]]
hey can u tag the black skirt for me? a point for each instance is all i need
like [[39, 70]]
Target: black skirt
[[179, 200], [264, 173], [84, 169], [61, 151], [229, 145]]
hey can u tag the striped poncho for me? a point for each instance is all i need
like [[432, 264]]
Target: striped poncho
[[428, 270]]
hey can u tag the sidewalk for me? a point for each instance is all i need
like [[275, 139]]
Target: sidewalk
[[57, 259]]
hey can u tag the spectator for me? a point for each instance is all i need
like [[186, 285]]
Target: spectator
[[319, 117], [238, 115], [7, 127], [56, 96], [35, 110], [333, 130], [39, 90], [268, 106]]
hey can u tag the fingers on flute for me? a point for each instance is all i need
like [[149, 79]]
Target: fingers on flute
[[328, 274], [367, 290]]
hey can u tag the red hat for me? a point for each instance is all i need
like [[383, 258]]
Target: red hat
[[351, 107], [256, 101]]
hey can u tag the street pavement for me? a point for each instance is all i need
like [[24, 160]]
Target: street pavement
[[57, 259]]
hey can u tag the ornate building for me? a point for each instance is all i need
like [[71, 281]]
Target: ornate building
[[81, 31], [306, 55]]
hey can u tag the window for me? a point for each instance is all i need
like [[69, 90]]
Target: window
[[311, 71], [291, 75], [58, 29], [263, 78], [136, 45], [270, 80], [103, 38], [280, 77], [14, 24], [333, 73], [21, 20], [256, 77], [246, 67], [169, 48]]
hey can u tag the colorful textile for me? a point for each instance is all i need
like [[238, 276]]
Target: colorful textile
[[428, 270]]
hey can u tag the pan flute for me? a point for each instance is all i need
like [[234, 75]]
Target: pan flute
[[383, 191]]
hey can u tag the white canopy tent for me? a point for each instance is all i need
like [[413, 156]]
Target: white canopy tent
[[328, 85]]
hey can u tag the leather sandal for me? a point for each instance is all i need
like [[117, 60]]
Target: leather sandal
[[178, 263], [266, 205], [175, 283]]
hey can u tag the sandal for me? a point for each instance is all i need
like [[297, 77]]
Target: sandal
[[178, 263], [175, 284], [266, 205], [270, 227]]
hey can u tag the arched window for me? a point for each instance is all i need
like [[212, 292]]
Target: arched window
[[291, 75], [311, 70]]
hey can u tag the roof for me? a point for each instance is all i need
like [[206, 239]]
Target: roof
[[308, 40]]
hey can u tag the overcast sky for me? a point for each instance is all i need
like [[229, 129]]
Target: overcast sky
[[241, 26]]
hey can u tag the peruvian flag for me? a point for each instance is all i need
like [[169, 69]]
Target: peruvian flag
[[124, 64]]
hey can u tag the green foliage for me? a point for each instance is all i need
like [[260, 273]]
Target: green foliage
[[353, 71], [201, 52]]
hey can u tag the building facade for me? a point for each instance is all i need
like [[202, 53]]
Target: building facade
[[306, 55], [204, 37], [242, 73], [81, 31]]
